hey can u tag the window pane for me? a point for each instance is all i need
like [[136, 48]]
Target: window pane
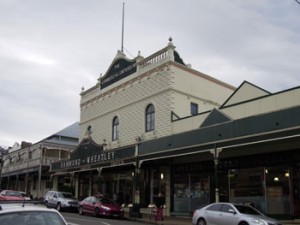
[[115, 135], [150, 118], [194, 108]]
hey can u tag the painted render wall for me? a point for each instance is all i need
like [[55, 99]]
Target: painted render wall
[[192, 86], [267, 104], [129, 102], [159, 80], [271, 103]]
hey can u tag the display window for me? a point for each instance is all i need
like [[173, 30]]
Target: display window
[[267, 189], [191, 191]]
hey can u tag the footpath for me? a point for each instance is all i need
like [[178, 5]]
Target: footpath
[[170, 220]]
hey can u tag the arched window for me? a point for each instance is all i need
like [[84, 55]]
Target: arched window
[[115, 129], [150, 118], [89, 130]]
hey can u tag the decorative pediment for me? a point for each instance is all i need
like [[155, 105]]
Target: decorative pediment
[[119, 69]]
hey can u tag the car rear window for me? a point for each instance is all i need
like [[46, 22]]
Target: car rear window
[[31, 218]]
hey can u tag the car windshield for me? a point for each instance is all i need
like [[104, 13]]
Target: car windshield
[[31, 218], [247, 210]]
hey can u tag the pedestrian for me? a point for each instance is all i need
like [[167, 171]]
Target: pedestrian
[[159, 203]]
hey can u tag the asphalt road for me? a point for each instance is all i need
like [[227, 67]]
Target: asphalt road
[[76, 219]]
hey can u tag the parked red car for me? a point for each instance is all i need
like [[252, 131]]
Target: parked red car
[[11, 195], [100, 206]]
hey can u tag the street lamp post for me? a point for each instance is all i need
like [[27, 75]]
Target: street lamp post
[[1, 161], [216, 151], [29, 154], [135, 212], [43, 149]]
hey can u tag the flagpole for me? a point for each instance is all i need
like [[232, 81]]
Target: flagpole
[[122, 41]]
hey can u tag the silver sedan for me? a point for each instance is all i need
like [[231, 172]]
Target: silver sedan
[[230, 214]]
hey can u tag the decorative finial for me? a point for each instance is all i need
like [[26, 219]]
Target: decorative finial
[[170, 41], [139, 53], [82, 88]]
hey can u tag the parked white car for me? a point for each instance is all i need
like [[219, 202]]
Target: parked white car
[[61, 201], [230, 214]]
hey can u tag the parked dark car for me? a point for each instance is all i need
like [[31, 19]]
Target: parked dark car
[[230, 214], [100, 206]]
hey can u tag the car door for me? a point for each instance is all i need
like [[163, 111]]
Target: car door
[[50, 199], [93, 204], [54, 199], [212, 214], [87, 205], [228, 215]]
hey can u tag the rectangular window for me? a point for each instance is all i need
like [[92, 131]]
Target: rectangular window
[[194, 108]]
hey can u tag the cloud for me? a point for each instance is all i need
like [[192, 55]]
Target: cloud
[[50, 49]]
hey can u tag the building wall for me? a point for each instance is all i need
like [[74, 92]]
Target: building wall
[[275, 102], [170, 88], [168, 85], [267, 104], [246, 92], [191, 86], [129, 101]]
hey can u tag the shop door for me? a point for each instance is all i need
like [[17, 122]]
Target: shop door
[[191, 191]]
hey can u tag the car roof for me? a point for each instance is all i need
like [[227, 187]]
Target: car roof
[[27, 207]]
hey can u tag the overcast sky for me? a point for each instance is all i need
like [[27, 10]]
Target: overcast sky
[[49, 49]]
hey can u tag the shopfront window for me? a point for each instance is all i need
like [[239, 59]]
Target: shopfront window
[[247, 185], [278, 191], [191, 191], [267, 188]]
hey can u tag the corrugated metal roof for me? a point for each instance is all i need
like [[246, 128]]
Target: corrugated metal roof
[[70, 131]]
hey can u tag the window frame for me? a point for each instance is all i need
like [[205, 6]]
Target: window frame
[[150, 118], [115, 128], [194, 106]]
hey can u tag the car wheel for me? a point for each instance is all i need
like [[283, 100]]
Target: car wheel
[[201, 222], [46, 204], [80, 210], [58, 207], [97, 212], [243, 223]]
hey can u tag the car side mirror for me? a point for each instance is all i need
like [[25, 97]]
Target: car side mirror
[[93, 202], [231, 211]]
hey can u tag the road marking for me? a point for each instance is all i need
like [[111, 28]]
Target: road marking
[[105, 223], [84, 220]]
